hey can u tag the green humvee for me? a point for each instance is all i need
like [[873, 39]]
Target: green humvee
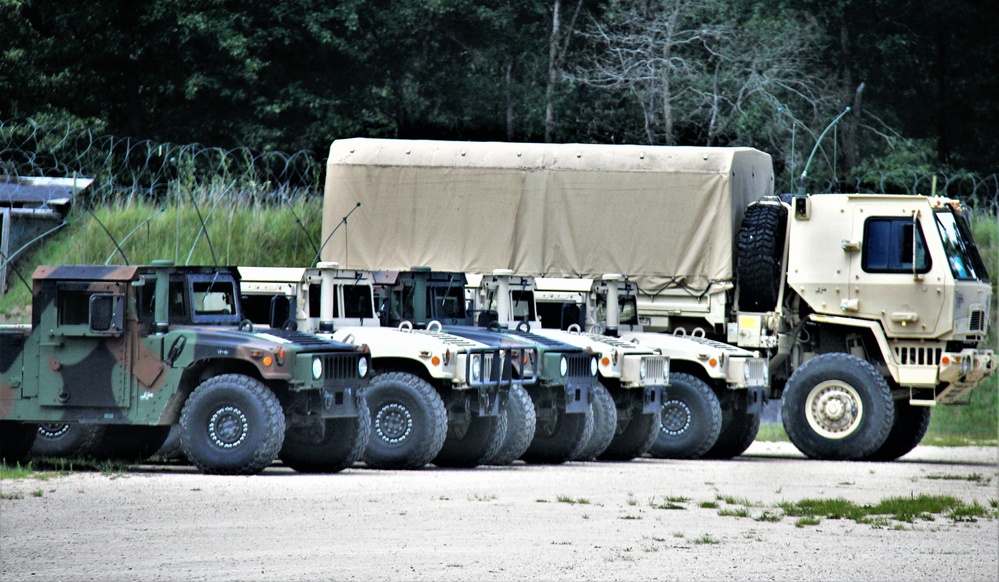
[[136, 350]]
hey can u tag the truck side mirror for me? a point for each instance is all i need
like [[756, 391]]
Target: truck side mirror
[[107, 314]]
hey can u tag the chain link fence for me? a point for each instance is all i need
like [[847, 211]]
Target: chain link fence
[[125, 169]]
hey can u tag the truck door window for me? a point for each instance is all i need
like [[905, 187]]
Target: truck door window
[[213, 299], [357, 301], [890, 244], [522, 305]]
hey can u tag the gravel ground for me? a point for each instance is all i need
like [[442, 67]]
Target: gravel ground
[[580, 521]]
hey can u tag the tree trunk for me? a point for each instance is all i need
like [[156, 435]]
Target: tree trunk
[[552, 73]]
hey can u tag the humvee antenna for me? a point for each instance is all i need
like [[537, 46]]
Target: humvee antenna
[[204, 228], [111, 236], [152, 216], [342, 222], [804, 173], [305, 230]]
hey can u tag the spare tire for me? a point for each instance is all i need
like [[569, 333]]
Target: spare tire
[[760, 256]]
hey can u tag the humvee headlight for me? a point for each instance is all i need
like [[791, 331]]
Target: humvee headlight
[[593, 366], [476, 367], [317, 368], [564, 366], [745, 373], [643, 369], [362, 367]]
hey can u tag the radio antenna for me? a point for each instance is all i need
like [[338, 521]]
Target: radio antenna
[[152, 216], [342, 222], [111, 236], [305, 230], [804, 173], [204, 229]]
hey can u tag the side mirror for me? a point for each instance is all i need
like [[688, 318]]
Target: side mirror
[[107, 314]]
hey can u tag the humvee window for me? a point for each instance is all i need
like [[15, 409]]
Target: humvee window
[[888, 246], [357, 301], [74, 307], [523, 305]]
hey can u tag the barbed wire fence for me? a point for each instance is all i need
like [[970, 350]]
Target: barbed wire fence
[[126, 169]]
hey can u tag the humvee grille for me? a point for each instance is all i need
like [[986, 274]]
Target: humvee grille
[[579, 365], [340, 366], [655, 369]]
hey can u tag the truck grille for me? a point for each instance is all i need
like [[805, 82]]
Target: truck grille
[[656, 369], [917, 356], [977, 321], [758, 371], [579, 365], [340, 366]]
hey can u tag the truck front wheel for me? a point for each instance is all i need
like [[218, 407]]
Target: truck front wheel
[[604, 424], [907, 430], [690, 420], [338, 445], [739, 426], [558, 436], [232, 425], [521, 422], [470, 443], [634, 436], [837, 406], [16, 439], [408, 422], [67, 440]]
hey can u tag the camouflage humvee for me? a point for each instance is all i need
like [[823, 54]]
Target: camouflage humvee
[[138, 349]]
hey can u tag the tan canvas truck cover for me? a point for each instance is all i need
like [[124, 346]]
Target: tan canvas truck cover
[[664, 216]]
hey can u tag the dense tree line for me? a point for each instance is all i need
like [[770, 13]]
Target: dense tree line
[[919, 75]]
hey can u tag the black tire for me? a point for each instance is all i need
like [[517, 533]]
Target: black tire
[[837, 407], [521, 422], [907, 430], [67, 440], [408, 422], [556, 441], [633, 437], [340, 445], [760, 256], [604, 412], [739, 427], [232, 425], [690, 420], [468, 444], [172, 449], [129, 443], [16, 439]]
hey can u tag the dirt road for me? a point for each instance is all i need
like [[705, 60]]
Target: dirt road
[[640, 520]]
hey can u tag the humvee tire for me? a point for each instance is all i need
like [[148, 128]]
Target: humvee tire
[[232, 425], [837, 407], [16, 439], [67, 440], [739, 427], [408, 422], [129, 443], [760, 256], [690, 420], [907, 430], [633, 438], [341, 444], [604, 424], [468, 444], [521, 423], [556, 441]]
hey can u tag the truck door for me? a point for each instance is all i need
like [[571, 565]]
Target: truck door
[[85, 352], [892, 275]]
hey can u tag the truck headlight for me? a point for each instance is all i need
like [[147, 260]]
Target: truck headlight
[[362, 367], [476, 367], [317, 368], [643, 369], [564, 366], [593, 366]]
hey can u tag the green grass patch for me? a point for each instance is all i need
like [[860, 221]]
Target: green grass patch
[[888, 510], [734, 512], [706, 539], [31, 470], [708, 505], [572, 500], [772, 433], [806, 521]]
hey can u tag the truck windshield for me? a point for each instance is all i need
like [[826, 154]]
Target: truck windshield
[[962, 253]]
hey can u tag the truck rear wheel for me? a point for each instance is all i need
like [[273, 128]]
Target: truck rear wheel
[[340, 444], [837, 406], [633, 437], [604, 424], [469, 444], [129, 443], [907, 430], [521, 422], [408, 422], [67, 440], [16, 439], [232, 425], [760, 256], [739, 427], [690, 420], [558, 437]]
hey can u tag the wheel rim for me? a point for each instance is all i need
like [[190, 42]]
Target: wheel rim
[[52, 430], [393, 423], [228, 427], [675, 419], [834, 409]]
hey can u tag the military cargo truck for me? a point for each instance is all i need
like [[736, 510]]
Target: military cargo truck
[[434, 396], [138, 349], [723, 386], [870, 308], [558, 401], [628, 398]]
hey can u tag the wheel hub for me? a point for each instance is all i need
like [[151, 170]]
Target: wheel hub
[[393, 423], [228, 427], [675, 419], [834, 409], [52, 430]]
